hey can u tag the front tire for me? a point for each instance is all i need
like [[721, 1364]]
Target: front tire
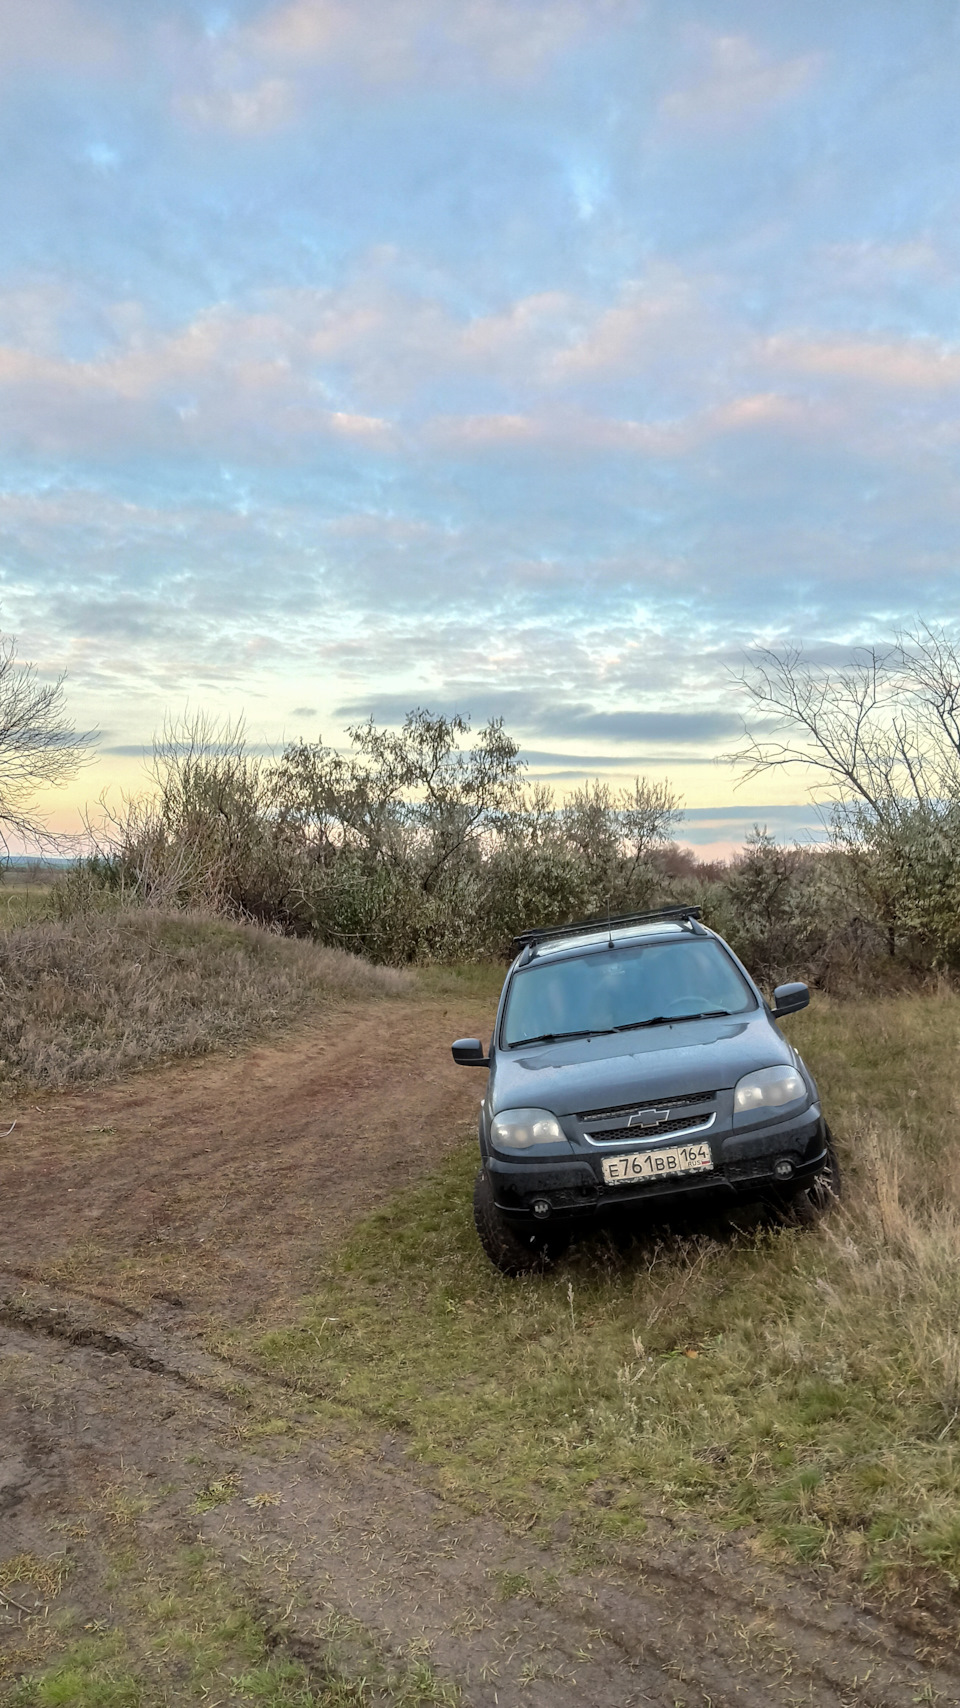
[[514, 1249], [808, 1206]]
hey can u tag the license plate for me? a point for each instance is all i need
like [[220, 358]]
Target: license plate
[[640, 1166]]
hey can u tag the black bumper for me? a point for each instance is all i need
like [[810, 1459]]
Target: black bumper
[[743, 1167]]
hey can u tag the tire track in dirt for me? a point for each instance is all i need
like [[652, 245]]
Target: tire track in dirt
[[366, 1538], [215, 1183], [194, 1196]]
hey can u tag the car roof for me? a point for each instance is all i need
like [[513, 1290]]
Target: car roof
[[620, 936]]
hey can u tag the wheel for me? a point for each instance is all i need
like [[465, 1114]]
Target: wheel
[[812, 1202], [514, 1250]]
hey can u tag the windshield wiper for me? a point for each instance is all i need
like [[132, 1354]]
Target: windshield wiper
[[631, 1026], [672, 1019], [550, 1038]]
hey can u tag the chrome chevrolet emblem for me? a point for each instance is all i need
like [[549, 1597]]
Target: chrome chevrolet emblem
[[648, 1117]]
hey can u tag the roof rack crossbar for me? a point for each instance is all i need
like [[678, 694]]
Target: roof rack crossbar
[[527, 939]]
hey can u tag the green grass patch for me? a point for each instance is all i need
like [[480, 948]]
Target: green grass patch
[[471, 980], [185, 1632], [804, 1384], [24, 904]]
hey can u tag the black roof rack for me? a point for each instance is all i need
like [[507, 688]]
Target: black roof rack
[[527, 939]]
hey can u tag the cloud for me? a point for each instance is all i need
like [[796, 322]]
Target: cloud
[[301, 364], [872, 263], [526, 710], [725, 829], [699, 727], [919, 364], [392, 41], [736, 83], [223, 381], [370, 367], [267, 105], [346, 365], [577, 433], [56, 33], [660, 316], [539, 757]]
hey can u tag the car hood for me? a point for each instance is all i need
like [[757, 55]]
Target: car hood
[[666, 1061]]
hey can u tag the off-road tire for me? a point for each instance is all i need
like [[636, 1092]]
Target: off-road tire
[[810, 1204], [514, 1249]]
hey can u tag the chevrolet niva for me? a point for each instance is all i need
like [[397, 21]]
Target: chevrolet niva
[[636, 1066]]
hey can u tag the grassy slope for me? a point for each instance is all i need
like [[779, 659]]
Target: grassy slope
[[103, 993], [804, 1385]]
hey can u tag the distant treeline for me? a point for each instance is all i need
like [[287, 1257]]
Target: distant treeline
[[35, 868]]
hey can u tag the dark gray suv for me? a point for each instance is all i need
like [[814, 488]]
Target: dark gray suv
[[635, 1066]]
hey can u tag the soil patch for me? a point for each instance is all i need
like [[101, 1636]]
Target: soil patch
[[206, 1189]]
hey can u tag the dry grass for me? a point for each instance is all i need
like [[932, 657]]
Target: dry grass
[[102, 993]]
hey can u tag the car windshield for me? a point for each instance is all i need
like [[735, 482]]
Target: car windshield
[[608, 990]]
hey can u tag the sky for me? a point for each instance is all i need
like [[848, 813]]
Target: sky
[[524, 358]]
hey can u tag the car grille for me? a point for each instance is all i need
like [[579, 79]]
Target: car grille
[[630, 1135], [648, 1103]]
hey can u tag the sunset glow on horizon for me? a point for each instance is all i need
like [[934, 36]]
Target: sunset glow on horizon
[[528, 358]]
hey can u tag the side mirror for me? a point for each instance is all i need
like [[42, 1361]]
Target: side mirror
[[789, 999], [468, 1052]]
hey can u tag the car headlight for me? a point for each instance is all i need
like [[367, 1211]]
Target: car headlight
[[769, 1088], [518, 1129]]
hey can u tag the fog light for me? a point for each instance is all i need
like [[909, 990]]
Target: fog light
[[783, 1169], [541, 1207]]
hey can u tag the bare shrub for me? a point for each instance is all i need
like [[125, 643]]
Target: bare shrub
[[883, 736], [39, 747]]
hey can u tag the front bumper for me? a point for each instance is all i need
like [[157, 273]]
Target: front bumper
[[743, 1167]]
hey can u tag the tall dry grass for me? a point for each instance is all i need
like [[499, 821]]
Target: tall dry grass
[[890, 1080], [893, 1300], [101, 993]]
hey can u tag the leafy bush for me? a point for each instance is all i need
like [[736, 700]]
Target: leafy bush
[[417, 846], [412, 848]]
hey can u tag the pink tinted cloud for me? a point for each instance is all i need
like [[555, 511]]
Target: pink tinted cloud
[[578, 432], [911, 364], [222, 376], [619, 337], [737, 83], [354, 363]]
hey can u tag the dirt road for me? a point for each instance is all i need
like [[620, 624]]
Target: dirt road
[[217, 1183], [137, 1218]]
